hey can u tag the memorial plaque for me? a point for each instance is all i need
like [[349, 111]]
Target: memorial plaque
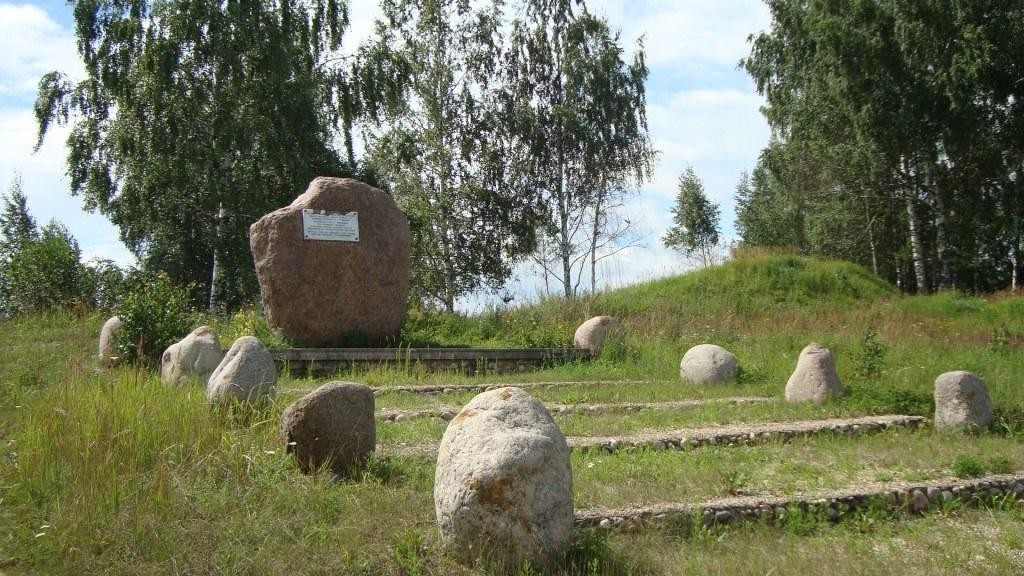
[[330, 226]]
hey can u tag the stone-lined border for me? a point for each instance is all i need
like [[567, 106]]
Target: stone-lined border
[[732, 435], [913, 497], [745, 434], [449, 412], [327, 361], [434, 390]]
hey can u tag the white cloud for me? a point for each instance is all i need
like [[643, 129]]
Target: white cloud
[[46, 186], [31, 44], [702, 111], [678, 31]]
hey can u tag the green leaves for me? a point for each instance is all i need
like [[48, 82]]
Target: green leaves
[[896, 143], [694, 230], [188, 106]]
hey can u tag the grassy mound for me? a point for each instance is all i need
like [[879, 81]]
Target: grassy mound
[[751, 287]]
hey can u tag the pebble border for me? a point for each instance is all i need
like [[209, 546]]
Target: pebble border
[[448, 412], [434, 390], [912, 497], [728, 436], [748, 434]]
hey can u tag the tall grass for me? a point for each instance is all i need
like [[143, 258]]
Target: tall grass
[[115, 473]]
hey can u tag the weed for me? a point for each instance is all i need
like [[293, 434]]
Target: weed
[[968, 466], [999, 464], [591, 555], [869, 358], [733, 482], [408, 553]]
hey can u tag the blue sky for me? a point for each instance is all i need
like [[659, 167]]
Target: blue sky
[[702, 111]]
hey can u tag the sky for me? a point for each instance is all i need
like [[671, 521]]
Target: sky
[[702, 112]]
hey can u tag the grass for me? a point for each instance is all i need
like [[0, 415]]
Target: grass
[[778, 469], [114, 473], [974, 542], [427, 429]]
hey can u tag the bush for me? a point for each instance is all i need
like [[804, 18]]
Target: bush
[[154, 314], [45, 274], [103, 282], [967, 466]]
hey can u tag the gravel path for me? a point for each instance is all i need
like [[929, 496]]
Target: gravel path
[[448, 412], [728, 435], [912, 496]]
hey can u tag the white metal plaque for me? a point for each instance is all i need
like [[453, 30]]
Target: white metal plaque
[[331, 226]]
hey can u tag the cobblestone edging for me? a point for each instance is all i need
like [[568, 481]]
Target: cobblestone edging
[[913, 497], [745, 434], [449, 412], [733, 435], [438, 389]]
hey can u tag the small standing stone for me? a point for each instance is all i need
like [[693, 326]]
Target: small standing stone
[[246, 373], [918, 501], [332, 425], [195, 356], [592, 333], [961, 400], [708, 364], [108, 335], [815, 378], [503, 486]]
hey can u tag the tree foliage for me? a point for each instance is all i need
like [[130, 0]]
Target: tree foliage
[[695, 220], [40, 270], [897, 135], [188, 107], [443, 148], [579, 112]]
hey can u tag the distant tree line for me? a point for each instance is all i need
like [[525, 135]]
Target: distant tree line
[[898, 138], [42, 269], [505, 132]]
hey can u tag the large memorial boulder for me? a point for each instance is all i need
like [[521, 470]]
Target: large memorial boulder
[[247, 373], [592, 333], [708, 364], [815, 378], [961, 401], [503, 485], [331, 426], [195, 356], [333, 266], [108, 337]]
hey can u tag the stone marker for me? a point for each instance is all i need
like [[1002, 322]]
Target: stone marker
[[708, 364], [592, 333], [194, 356], [815, 378], [961, 400], [246, 373], [333, 425], [333, 266], [107, 353], [503, 486]]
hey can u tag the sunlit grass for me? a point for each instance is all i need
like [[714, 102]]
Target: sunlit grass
[[115, 473]]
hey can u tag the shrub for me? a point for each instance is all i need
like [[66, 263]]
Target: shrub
[[154, 314], [967, 466], [46, 273], [869, 358]]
